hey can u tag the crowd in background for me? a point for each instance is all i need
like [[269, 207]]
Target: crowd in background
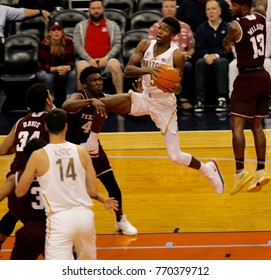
[[208, 67]]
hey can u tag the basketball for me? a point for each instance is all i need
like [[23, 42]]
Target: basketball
[[167, 79]]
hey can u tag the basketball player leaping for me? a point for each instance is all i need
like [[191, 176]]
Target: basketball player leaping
[[160, 105]]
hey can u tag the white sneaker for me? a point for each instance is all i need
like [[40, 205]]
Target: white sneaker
[[93, 151], [125, 226], [215, 177]]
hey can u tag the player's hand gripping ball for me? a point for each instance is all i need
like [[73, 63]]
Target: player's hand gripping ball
[[167, 79]]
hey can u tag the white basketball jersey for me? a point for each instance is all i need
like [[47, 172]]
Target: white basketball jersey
[[149, 60], [64, 184]]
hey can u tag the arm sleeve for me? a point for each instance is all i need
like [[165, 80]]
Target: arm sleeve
[[14, 14]]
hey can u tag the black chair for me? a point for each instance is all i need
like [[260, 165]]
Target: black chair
[[69, 18], [35, 26], [150, 5], [2, 42], [119, 17], [11, 3], [130, 40], [20, 65], [10, 26], [127, 6], [144, 19]]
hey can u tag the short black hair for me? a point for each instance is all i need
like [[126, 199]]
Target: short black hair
[[36, 97], [33, 145], [243, 2], [173, 23], [56, 120], [88, 71]]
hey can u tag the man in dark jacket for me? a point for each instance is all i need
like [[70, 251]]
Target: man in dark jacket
[[193, 13], [211, 54]]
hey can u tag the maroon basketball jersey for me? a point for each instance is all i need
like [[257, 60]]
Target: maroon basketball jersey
[[79, 123], [250, 49], [31, 126], [32, 202]]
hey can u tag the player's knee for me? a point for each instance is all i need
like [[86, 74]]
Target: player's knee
[[180, 158], [114, 66], [81, 66]]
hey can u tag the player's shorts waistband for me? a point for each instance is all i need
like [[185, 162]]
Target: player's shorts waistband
[[159, 95], [251, 69]]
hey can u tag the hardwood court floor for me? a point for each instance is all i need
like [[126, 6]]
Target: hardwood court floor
[[178, 246], [175, 210]]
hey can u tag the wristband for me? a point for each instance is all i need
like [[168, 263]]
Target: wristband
[[40, 14]]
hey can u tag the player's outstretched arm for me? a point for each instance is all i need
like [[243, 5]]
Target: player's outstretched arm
[[75, 103]]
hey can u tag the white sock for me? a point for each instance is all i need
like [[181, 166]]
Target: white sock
[[92, 141]]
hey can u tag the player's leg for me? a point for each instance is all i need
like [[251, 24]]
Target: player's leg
[[261, 177], [118, 103], [209, 170], [60, 233], [84, 234], [106, 176], [8, 187], [7, 225], [111, 185], [166, 121], [92, 144], [8, 221], [242, 177], [29, 241], [259, 141]]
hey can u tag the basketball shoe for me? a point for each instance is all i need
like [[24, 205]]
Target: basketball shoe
[[215, 177], [125, 226], [240, 180], [260, 179]]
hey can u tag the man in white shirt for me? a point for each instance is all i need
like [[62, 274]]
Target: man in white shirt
[[18, 14]]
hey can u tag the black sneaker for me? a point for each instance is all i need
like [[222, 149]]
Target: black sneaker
[[222, 105], [199, 107]]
